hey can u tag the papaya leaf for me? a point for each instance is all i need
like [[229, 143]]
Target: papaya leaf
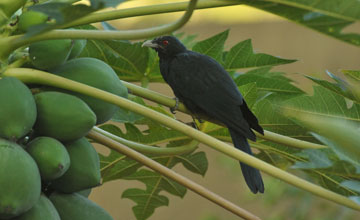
[[274, 82], [107, 26], [353, 74], [242, 56], [352, 184], [333, 87], [60, 12], [311, 18], [348, 10], [323, 103], [129, 60], [212, 46], [144, 210], [155, 182], [126, 116], [316, 160], [345, 148], [105, 3], [116, 166]]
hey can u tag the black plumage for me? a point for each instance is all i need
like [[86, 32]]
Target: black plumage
[[205, 88]]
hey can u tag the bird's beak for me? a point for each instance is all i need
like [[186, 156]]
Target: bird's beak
[[150, 43]]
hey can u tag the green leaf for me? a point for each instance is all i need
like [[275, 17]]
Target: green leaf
[[351, 184], [353, 74], [316, 20], [155, 183], [146, 202], [212, 46], [196, 162], [116, 166], [337, 139], [242, 56], [105, 3], [317, 160], [61, 12], [267, 81], [334, 87], [129, 60], [348, 10], [323, 103]]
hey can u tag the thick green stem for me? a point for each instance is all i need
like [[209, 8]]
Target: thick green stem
[[9, 44], [148, 10], [169, 102], [149, 149], [188, 183], [40, 77]]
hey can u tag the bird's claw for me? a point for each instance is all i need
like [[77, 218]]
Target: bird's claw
[[173, 109]]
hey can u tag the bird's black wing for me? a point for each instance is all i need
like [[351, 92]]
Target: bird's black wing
[[200, 82]]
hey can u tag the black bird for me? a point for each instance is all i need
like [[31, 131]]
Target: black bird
[[205, 88]]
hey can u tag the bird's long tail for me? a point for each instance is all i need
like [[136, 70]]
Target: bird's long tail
[[251, 175]]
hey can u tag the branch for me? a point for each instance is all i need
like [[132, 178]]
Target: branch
[[149, 149], [172, 175], [148, 10], [9, 44], [44, 78], [169, 102]]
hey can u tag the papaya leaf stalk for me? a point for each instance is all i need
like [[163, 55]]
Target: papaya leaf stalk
[[40, 77]]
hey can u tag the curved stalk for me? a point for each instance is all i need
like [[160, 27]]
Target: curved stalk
[[41, 77], [268, 135], [172, 175], [148, 10], [149, 149], [9, 44]]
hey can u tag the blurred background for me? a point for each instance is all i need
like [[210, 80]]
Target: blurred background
[[270, 34]]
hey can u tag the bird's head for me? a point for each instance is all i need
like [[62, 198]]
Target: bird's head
[[166, 45]]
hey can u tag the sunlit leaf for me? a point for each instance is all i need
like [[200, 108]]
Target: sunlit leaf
[[212, 46], [311, 17], [242, 56]]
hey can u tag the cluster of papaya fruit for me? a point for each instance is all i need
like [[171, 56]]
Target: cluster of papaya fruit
[[49, 167]]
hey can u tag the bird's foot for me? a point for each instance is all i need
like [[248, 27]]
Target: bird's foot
[[193, 124], [173, 109]]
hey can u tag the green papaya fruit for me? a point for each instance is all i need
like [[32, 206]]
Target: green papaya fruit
[[79, 45], [84, 170], [62, 116], [51, 157], [18, 109], [98, 74], [42, 210], [48, 54], [84, 192], [76, 207], [31, 18], [20, 183], [9, 7]]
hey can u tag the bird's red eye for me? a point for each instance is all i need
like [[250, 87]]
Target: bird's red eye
[[165, 42]]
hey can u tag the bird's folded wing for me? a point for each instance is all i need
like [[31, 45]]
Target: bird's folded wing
[[207, 85]]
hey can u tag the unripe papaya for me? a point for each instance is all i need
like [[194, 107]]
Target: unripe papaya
[[96, 73], [20, 182], [9, 7], [79, 45], [76, 207], [84, 170], [62, 116], [48, 54], [84, 192], [42, 210], [17, 108], [31, 18], [51, 157]]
